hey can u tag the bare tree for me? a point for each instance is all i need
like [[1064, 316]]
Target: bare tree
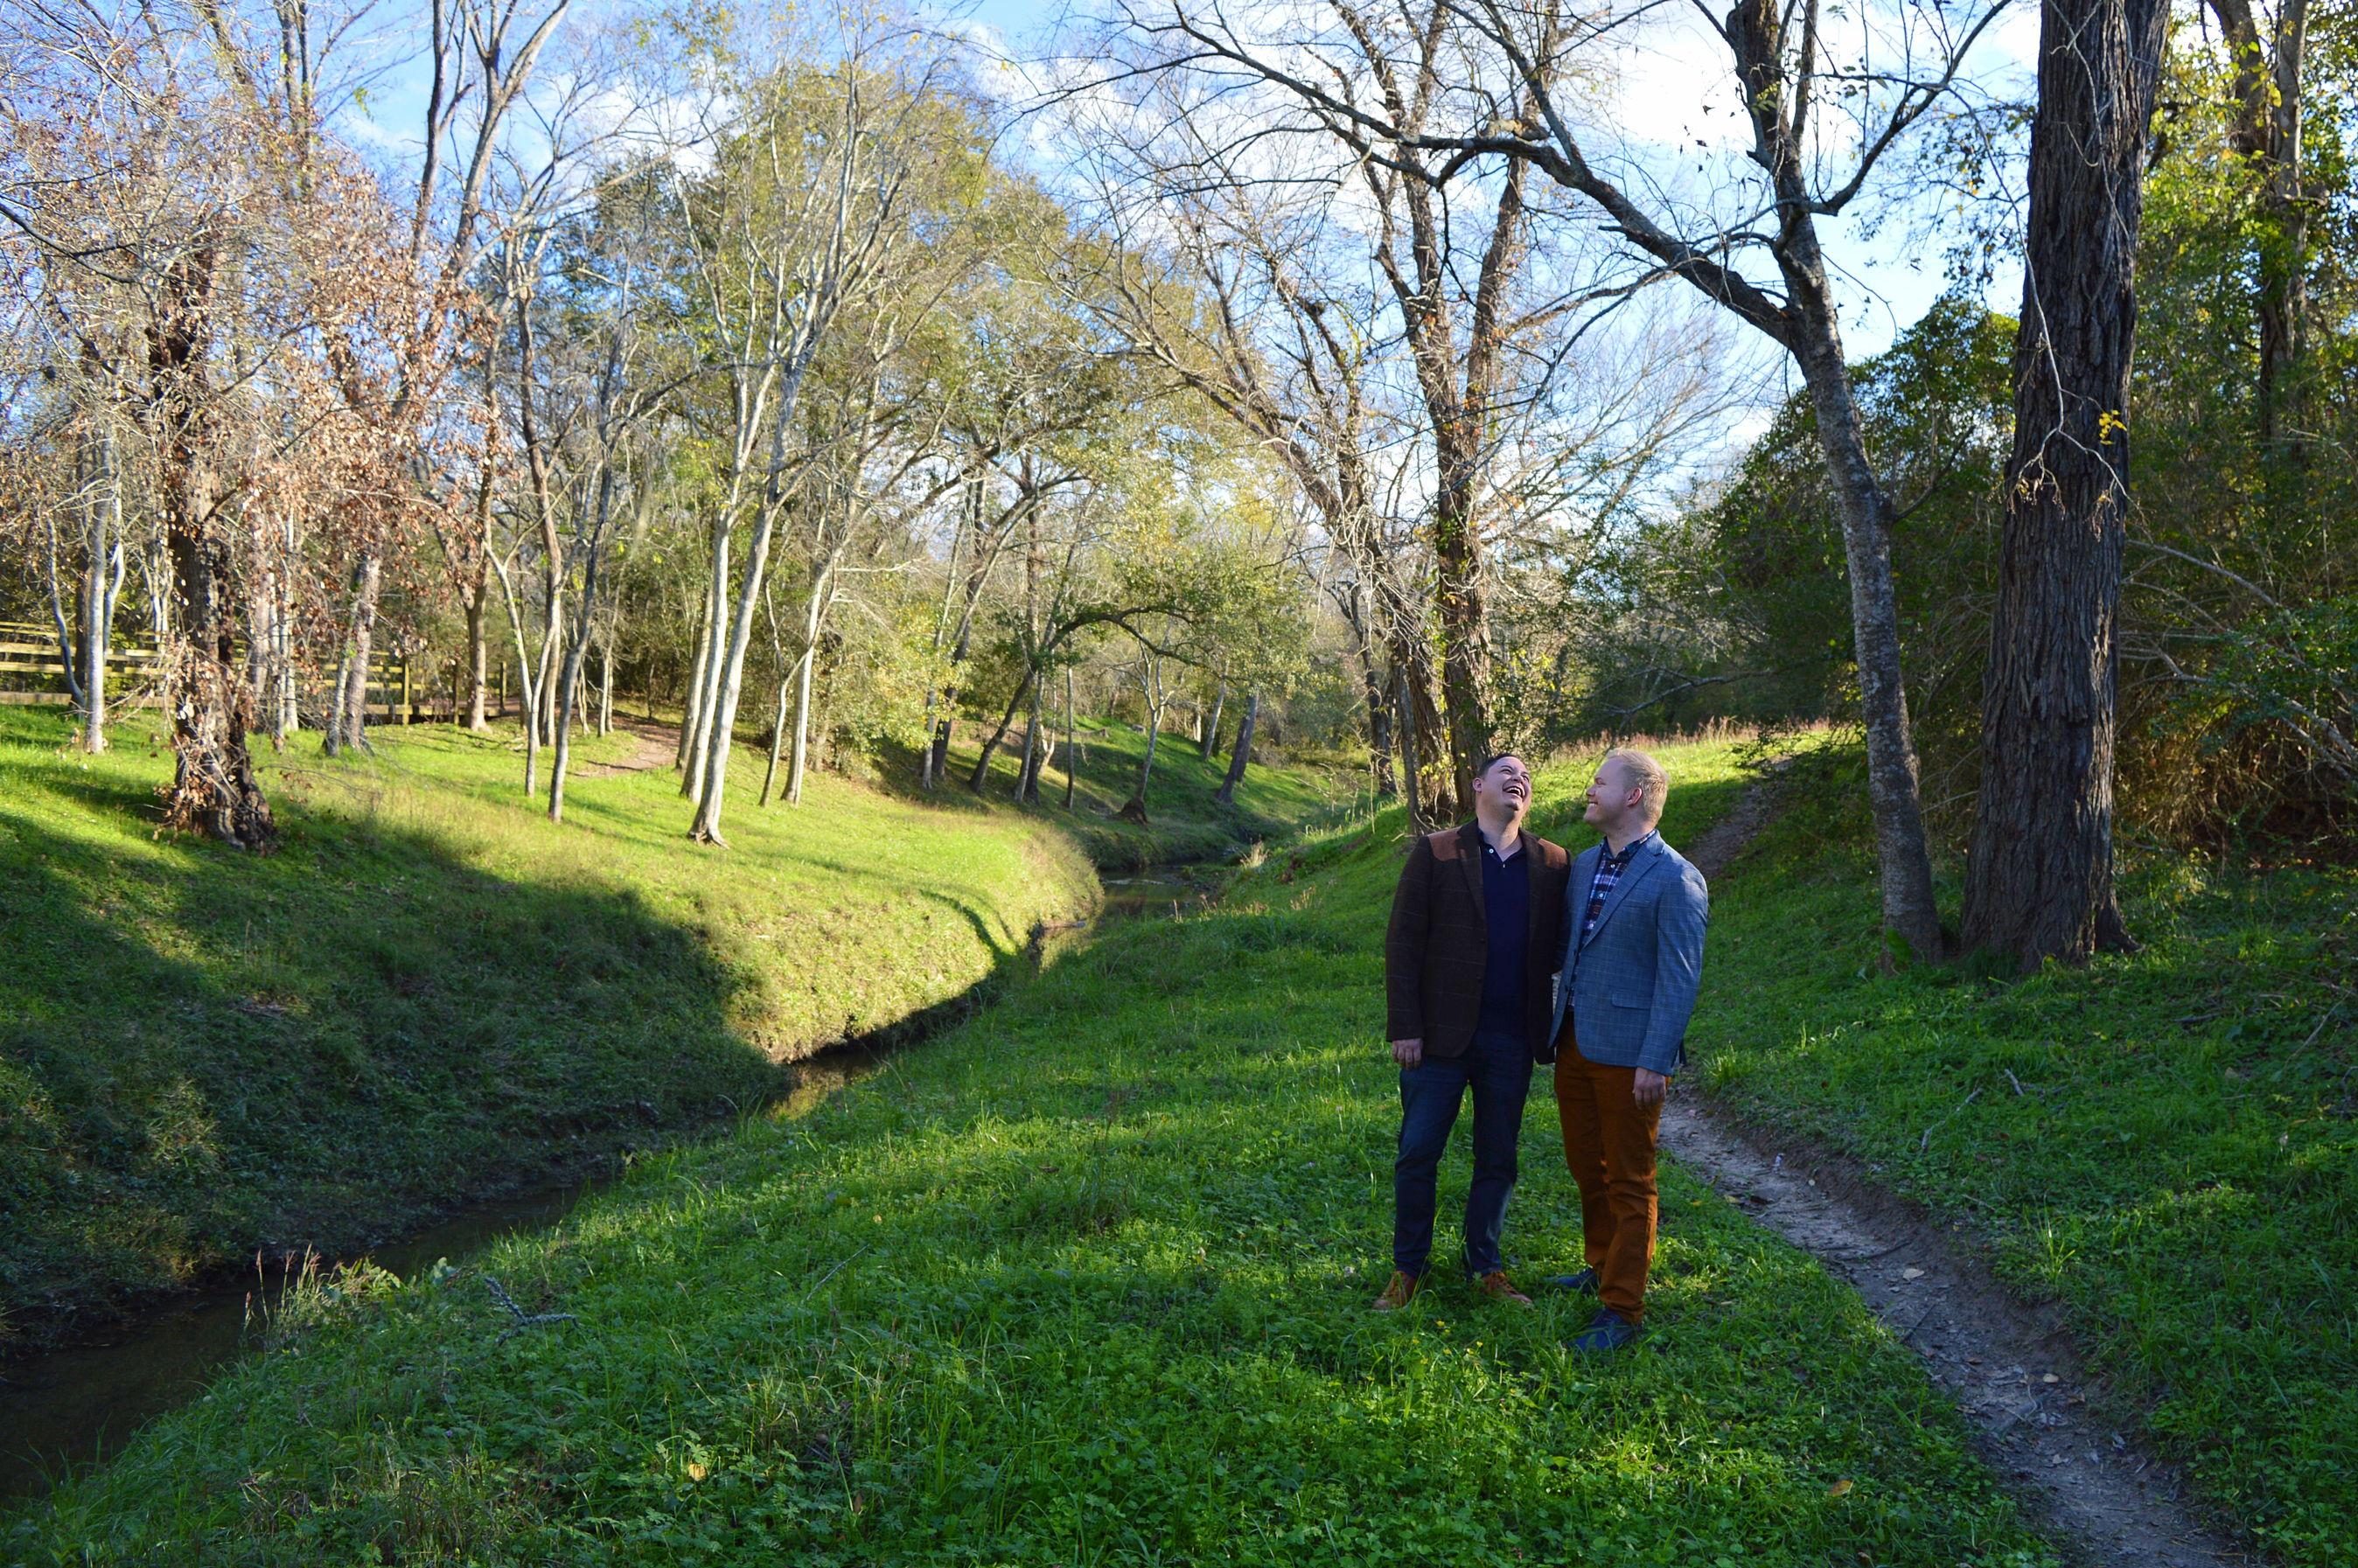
[[804, 217], [1802, 92]]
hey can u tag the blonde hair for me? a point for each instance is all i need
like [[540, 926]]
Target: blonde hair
[[1643, 773]]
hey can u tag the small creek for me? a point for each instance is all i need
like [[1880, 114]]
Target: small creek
[[66, 1409]]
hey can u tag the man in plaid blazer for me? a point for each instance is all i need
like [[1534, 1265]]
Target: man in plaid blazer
[[1634, 917]]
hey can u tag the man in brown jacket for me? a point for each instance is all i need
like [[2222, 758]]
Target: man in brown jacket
[[1477, 920]]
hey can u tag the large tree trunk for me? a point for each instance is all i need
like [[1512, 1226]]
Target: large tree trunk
[[1240, 753], [2039, 884], [1465, 626], [213, 787]]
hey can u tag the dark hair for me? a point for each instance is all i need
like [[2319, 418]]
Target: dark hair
[[1491, 760]]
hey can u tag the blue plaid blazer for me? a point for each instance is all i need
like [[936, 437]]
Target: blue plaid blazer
[[1629, 987]]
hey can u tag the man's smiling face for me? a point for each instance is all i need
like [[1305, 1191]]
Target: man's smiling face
[[1506, 787]]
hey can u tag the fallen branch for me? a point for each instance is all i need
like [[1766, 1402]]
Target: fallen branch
[[524, 1319], [1925, 1142]]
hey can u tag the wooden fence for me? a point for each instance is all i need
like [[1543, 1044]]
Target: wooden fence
[[32, 672]]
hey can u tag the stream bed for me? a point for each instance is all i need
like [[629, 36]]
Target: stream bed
[[68, 1409]]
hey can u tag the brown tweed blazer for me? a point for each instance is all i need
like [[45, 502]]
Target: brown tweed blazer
[[1435, 947]]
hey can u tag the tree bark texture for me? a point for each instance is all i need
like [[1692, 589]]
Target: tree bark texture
[[2039, 883]]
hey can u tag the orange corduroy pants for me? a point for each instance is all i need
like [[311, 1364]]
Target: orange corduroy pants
[[1608, 1141]]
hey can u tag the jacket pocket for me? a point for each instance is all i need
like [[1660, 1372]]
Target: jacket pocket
[[1631, 998]]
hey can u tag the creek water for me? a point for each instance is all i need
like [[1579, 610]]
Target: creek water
[[65, 1410]]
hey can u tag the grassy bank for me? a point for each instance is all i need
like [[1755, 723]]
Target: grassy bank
[[1184, 822], [428, 991], [2163, 1142], [1083, 1281]]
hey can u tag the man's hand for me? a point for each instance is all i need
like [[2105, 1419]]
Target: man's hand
[[1408, 1053], [1646, 1089]]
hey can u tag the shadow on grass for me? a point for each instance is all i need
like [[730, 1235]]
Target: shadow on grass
[[205, 1052]]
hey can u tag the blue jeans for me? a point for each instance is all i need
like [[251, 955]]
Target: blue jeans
[[1498, 1067]]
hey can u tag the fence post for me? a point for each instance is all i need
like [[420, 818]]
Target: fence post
[[404, 688]]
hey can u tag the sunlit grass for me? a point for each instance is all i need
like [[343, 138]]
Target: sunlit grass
[[2164, 1141], [1083, 1280], [427, 990]]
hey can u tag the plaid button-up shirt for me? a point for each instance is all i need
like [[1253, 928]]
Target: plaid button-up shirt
[[1609, 867]]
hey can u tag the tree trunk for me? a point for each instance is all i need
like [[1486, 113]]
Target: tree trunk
[[101, 582], [213, 787], [2268, 136], [577, 646], [1071, 736], [689, 753], [937, 752], [606, 687], [729, 683], [2039, 883], [1240, 753], [355, 704], [1134, 808], [1006, 722], [1903, 855], [477, 661], [1379, 727], [777, 737], [1212, 730], [798, 760], [1027, 777]]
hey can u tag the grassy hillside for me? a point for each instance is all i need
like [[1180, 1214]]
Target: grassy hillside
[[1083, 1280], [428, 991], [2164, 1141]]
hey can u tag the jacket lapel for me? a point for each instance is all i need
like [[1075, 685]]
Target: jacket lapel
[[1469, 862], [1575, 896], [1534, 866], [1631, 875]]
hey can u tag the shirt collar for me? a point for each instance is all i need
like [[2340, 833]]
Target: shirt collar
[[1523, 836], [1629, 851]]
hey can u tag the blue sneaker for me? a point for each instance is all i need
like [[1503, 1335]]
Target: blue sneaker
[[1580, 1284], [1609, 1332]]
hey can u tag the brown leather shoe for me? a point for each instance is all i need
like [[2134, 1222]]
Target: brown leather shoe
[[1495, 1286], [1398, 1293]]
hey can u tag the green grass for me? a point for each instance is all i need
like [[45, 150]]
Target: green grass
[[429, 991], [2178, 1167], [1084, 1281], [1185, 823]]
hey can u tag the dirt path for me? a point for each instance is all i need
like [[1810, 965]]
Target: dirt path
[[2008, 1366], [652, 746]]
